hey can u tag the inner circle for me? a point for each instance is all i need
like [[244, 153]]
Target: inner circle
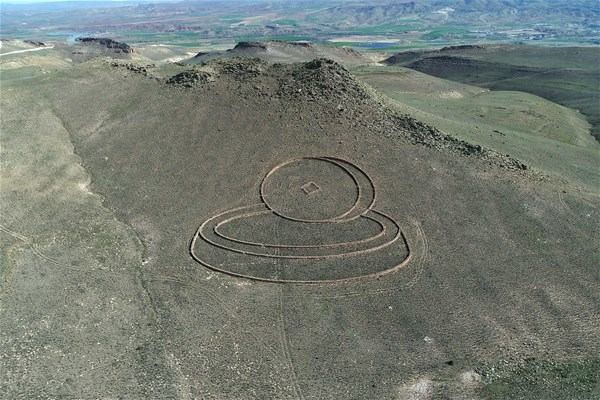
[[310, 190], [265, 229]]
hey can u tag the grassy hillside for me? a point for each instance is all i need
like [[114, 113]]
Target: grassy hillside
[[568, 76], [543, 134]]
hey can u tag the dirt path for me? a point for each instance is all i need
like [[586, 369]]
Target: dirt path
[[27, 50]]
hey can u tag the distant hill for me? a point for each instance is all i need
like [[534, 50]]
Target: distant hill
[[417, 21], [107, 43], [566, 75], [286, 52]]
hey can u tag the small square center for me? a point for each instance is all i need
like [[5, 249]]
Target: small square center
[[310, 187]]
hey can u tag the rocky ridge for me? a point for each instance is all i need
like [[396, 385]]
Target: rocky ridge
[[286, 52], [406, 56], [143, 69], [117, 47], [329, 86], [190, 78], [250, 45]]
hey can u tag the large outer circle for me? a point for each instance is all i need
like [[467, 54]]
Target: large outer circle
[[310, 190], [371, 262]]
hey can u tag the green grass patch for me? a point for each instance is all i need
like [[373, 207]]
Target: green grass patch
[[544, 381], [403, 47], [565, 75], [231, 20], [285, 38], [384, 29], [529, 128], [343, 44], [446, 32], [286, 21]]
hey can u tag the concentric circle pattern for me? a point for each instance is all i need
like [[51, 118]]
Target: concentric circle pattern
[[315, 224], [310, 190]]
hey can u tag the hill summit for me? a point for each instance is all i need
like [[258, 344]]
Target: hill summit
[[328, 85]]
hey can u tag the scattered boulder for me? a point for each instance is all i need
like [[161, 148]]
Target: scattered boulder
[[418, 132], [190, 78], [324, 79], [240, 68], [137, 68]]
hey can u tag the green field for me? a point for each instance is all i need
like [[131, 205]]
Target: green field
[[286, 21], [528, 127], [448, 33], [536, 380], [384, 29], [565, 75]]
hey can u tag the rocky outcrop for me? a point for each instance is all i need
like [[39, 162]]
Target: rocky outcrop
[[329, 87], [250, 45], [136, 68], [304, 44], [190, 78], [35, 43], [321, 78], [462, 47], [240, 68], [118, 47]]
